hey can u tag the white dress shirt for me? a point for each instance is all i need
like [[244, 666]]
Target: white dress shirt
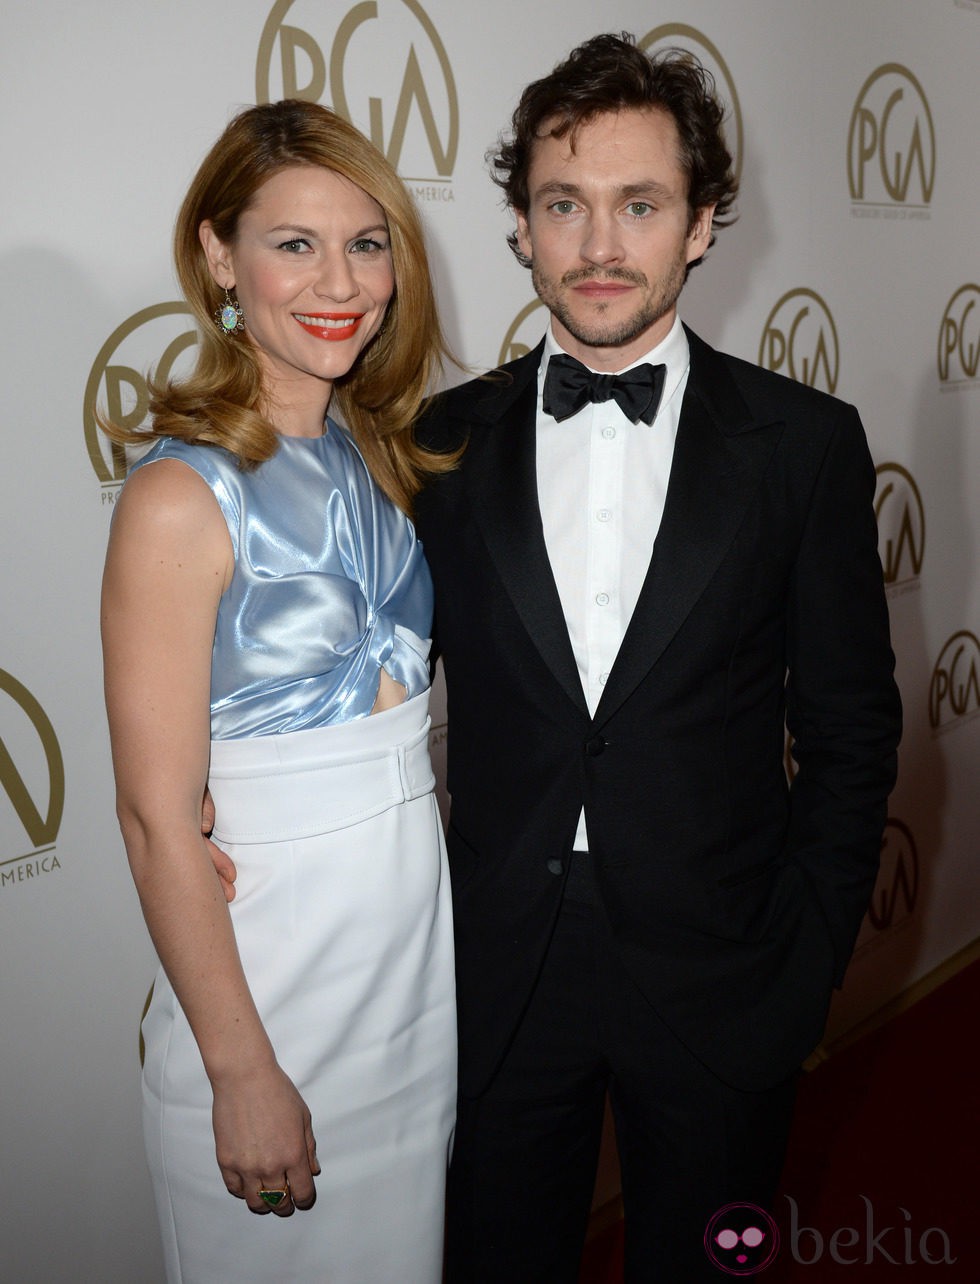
[[602, 483]]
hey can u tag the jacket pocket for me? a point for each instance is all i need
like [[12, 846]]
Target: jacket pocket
[[750, 872]]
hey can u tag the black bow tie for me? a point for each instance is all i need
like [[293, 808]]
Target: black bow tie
[[568, 386]]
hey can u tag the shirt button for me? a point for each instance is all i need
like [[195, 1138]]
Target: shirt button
[[609, 432], [603, 679], [603, 514], [602, 599]]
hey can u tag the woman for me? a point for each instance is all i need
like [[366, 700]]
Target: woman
[[265, 613]]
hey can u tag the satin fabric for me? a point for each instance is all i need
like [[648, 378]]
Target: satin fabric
[[569, 385], [329, 585]]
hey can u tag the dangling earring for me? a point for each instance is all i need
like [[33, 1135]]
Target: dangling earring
[[230, 316]]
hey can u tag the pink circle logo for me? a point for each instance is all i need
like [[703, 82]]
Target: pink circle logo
[[741, 1239]]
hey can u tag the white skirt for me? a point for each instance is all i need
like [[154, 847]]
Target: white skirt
[[343, 922]]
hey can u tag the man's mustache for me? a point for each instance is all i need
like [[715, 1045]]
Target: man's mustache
[[579, 275]]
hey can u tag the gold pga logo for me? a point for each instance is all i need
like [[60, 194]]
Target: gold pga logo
[[891, 141], [897, 886], [959, 337], [954, 691], [523, 335], [901, 525], [32, 783], [678, 35], [799, 339], [117, 381], [413, 116]]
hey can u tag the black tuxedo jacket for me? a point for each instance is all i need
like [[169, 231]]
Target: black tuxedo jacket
[[735, 898]]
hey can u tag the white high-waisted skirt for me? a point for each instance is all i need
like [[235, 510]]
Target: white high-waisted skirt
[[343, 921]]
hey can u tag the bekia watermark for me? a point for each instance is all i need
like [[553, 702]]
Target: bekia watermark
[[864, 1244], [743, 1239]]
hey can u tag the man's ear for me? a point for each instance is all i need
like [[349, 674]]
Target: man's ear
[[699, 233], [523, 234], [220, 261]]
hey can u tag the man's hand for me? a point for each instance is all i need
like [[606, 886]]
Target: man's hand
[[223, 864]]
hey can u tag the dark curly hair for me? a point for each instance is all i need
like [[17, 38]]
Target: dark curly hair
[[609, 73]]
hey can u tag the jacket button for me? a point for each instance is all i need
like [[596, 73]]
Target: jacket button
[[595, 746], [555, 867]]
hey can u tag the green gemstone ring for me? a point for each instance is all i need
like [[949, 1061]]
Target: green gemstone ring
[[274, 1197]]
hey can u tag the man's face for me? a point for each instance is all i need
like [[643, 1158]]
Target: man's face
[[609, 234]]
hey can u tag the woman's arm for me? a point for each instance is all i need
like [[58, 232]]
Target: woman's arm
[[169, 560]]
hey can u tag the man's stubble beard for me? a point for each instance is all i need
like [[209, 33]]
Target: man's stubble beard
[[596, 334]]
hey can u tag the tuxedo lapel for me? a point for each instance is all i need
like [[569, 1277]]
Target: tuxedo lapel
[[501, 480], [720, 456]]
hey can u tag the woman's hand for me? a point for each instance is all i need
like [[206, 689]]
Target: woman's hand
[[264, 1139]]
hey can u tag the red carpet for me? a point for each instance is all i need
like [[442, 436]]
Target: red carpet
[[881, 1180]]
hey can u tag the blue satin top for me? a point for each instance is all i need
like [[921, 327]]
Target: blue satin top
[[329, 584]]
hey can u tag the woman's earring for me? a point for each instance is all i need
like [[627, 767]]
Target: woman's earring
[[230, 316]]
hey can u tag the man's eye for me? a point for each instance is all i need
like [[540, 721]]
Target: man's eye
[[639, 208], [563, 207]]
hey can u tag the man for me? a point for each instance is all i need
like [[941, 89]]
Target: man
[[629, 611]]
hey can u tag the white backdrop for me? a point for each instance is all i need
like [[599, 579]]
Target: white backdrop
[[855, 265]]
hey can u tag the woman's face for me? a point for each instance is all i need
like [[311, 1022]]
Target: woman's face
[[311, 266]]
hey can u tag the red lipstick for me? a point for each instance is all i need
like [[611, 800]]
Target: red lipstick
[[332, 326]]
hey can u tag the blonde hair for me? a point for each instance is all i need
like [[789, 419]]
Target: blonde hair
[[222, 401]]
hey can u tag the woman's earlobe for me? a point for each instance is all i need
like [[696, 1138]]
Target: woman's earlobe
[[218, 256]]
